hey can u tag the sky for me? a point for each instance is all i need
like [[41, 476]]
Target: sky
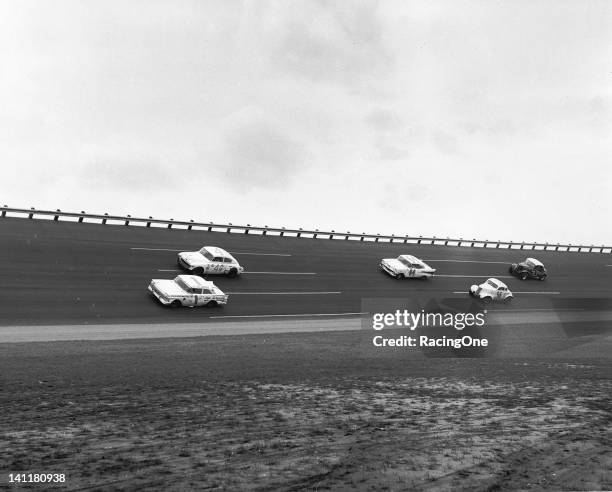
[[478, 119]]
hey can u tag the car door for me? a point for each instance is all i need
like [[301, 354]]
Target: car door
[[501, 292], [216, 265], [205, 297]]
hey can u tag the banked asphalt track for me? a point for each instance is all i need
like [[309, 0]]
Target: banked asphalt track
[[64, 274]]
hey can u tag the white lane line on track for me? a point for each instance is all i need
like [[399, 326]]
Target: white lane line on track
[[232, 252], [473, 261], [546, 293], [257, 273], [474, 276], [289, 315], [157, 249], [280, 273], [284, 293], [259, 254]]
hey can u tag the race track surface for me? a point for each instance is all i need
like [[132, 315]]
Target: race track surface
[[63, 273]]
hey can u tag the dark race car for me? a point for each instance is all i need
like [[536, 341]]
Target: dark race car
[[530, 268]]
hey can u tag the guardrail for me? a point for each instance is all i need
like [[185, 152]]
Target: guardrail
[[127, 220]]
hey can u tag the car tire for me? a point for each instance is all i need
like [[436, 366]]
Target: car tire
[[523, 276], [542, 278], [487, 299], [176, 303], [399, 276], [211, 304], [198, 271], [510, 269], [232, 273], [508, 300]]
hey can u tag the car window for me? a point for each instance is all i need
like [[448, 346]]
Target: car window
[[492, 284], [218, 258], [227, 260], [417, 265], [206, 291], [204, 252]]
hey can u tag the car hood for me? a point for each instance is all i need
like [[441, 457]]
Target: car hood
[[394, 264], [167, 287], [194, 258]]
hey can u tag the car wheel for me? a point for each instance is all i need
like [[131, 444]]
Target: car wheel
[[211, 304], [523, 276], [399, 276], [508, 300], [176, 303], [510, 269], [487, 299], [198, 271], [232, 273], [542, 278]]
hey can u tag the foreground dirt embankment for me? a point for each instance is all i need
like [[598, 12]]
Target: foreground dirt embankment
[[298, 412]]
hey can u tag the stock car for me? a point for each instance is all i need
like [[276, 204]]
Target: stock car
[[210, 259], [491, 290], [530, 268], [406, 266], [187, 290]]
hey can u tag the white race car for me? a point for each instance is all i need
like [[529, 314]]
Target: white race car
[[187, 290], [210, 259], [406, 266], [491, 290]]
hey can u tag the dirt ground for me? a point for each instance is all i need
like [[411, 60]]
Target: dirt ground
[[300, 412]]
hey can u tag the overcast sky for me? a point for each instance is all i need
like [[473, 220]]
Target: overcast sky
[[487, 119]]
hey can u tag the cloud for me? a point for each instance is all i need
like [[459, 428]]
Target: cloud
[[129, 174], [384, 120], [258, 153], [329, 41]]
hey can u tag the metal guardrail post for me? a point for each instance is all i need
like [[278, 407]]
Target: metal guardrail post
[[31, 214], [299, 234], [81, 217], [331, 236], [347, 235], [362, 236], [104, 219], [229, 229], [314, 236], [149, 221], [377, 238], [56, 216], [170, 224], [210, 227], [246, 231], [265, 232], [127, 221]]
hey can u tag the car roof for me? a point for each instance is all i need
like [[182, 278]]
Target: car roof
[[534, 261], [499, 283], [195, 282], [410, 258], [216, 251]]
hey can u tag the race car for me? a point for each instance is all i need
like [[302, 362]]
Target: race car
[[491, 290], [406, 266], [210, 259], [187, 290], [530, 268]]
